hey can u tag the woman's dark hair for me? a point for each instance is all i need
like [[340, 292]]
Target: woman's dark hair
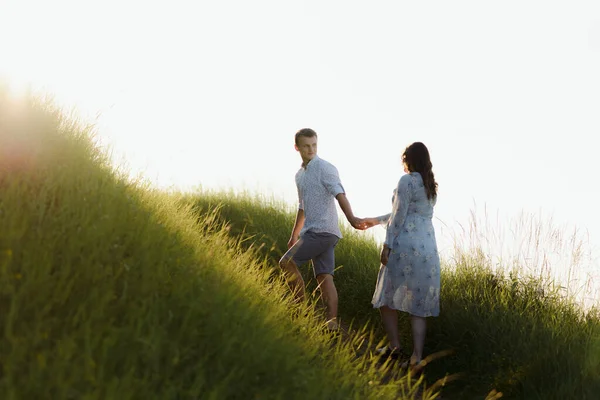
[[416, 158]]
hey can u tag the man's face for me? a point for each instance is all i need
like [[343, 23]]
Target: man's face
[[307, 147]]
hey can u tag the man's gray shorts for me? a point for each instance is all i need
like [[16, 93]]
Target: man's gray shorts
[[318, 247]]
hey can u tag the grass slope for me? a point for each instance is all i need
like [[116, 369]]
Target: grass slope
[[265, 224], [109, 290], [517, 336]]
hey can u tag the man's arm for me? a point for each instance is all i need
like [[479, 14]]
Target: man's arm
[[357, 223], [297, 228], [331, 180]]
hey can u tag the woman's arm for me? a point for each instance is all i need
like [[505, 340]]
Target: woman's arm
[[384, 219], [399, 210], [372, 221]]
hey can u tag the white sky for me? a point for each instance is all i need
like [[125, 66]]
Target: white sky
[[506, 95]]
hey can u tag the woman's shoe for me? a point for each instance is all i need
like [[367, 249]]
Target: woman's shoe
[[415, 368]]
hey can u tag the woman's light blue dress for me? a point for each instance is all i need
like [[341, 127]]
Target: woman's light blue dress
[[411, 280]]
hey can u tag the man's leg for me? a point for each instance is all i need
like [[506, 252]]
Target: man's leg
[[330, 298], [293, 277], [324, 266]]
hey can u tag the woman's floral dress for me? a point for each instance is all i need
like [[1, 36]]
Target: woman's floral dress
[[410, 281]]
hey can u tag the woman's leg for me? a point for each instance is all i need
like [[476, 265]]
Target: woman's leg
[[389, 317], [419, 328]]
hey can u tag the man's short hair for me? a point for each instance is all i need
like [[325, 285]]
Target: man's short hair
[[306, 132]]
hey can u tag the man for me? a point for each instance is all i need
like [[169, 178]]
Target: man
[[316, 230]]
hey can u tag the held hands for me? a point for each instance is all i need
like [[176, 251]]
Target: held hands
[[370, 222], [363, 223], [357, 223], [385, 254]]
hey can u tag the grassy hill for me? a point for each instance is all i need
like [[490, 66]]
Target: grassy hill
[[517, 336], [111, 290]]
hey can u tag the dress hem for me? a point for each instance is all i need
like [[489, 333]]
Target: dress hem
[[379, 305]]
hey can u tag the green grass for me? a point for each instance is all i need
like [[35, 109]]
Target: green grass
[[111, 290], [515, 335], [266, 224]]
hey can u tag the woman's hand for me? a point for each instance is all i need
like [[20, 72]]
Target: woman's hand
[[385, 254], [370, 222]]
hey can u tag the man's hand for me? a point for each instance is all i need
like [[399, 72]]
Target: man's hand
[[364, 223], [357, 223], [385, 255], [292, 241], [370, 222]]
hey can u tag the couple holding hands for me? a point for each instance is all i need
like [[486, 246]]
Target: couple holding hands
[[409, 276]]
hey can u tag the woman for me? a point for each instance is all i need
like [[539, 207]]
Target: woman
[[409, 277]]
